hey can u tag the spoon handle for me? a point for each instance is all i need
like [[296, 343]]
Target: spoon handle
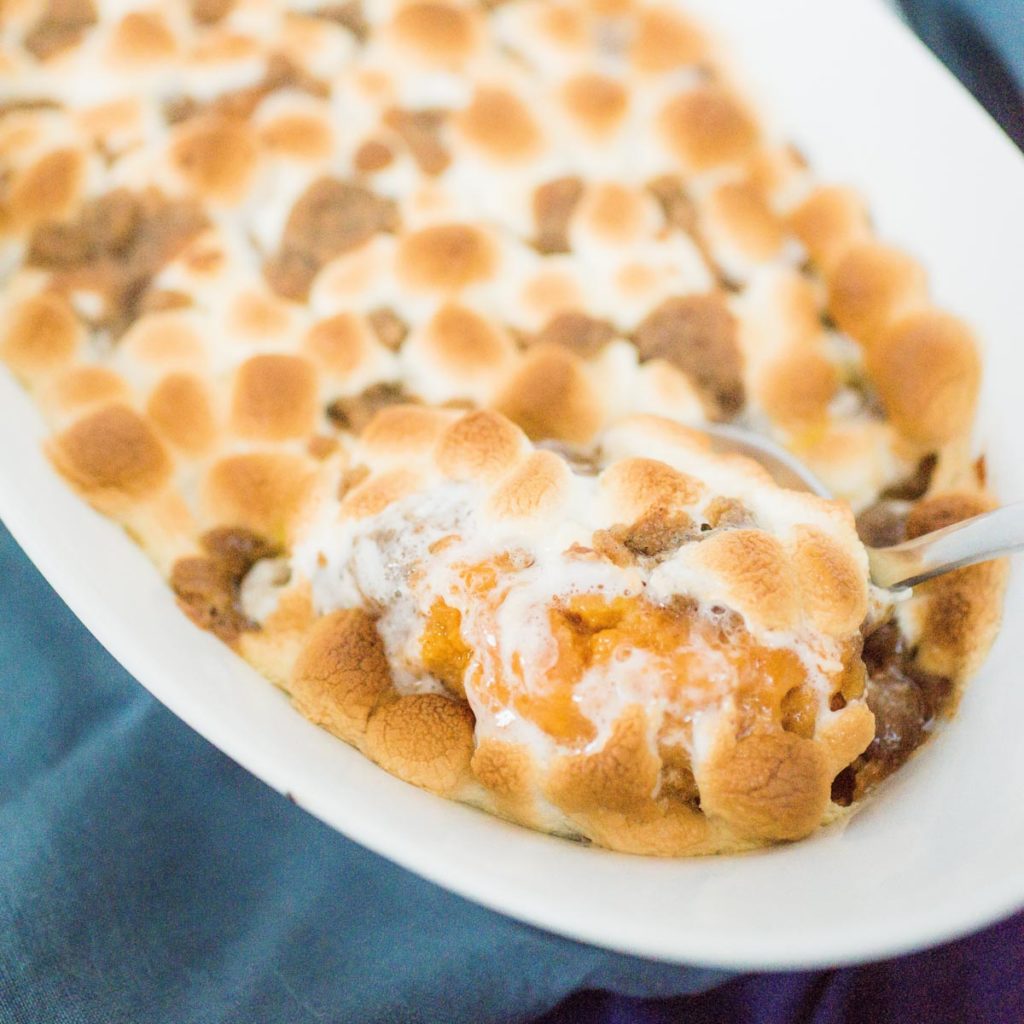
[[974, 540]]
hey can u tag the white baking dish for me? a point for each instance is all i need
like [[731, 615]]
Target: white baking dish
[[937, 851]]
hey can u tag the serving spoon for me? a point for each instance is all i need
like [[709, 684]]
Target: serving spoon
[[901, 566]]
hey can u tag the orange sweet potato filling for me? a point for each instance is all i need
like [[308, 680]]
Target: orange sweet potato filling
[[445, 654], [692, 655]]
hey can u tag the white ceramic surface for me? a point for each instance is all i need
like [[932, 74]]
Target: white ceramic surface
[[937, 852]]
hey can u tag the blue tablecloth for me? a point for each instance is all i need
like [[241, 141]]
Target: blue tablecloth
[[982, 43], [147, 879]]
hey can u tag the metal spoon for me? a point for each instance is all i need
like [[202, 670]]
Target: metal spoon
[[903, 565]]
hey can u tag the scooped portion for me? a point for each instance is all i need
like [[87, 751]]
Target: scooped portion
[[649, 644]]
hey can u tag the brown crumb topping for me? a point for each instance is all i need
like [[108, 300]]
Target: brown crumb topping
[[372, 155], [162, 300], [61, 25], [699, 335], [895, 518], [354, 412], [236, 548], [330, 218], [240, 103], [115, 246], [209, 12], [680, 213], [677, 779], [657, 532], [207, 586], [883, 524], [584, 335], [27, 105], [916, 485], [420, 130], [607, 546], [348, 15], [391, 330], [676, 205], [728, 514]]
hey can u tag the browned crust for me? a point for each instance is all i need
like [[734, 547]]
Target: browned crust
[[536, 488], [742, 211], [660, 828], [833, 590], [596, 102], [871, 286], [263, 491], [41, 334], [507, 771], [758, 575], [341, 674], [274, 648], [338, 343], [828, 222], [303, 136], [376, 492], [500, 125], [274, 398], [181, 409], [707, 128], [550, 396], [142, 37], [78, 388], [401, 429], [769, 786], [638, 485], [796, 388], [441, 33], [618, 777], [479, 446], [446, 257], [425, 739], [464, 342], [927, 371], [112, 455], [45, 190], [216, 155], [665, 40]]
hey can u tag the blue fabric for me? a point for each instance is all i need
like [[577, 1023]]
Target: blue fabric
[[145, 878], [982, 43], [974, 981]]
